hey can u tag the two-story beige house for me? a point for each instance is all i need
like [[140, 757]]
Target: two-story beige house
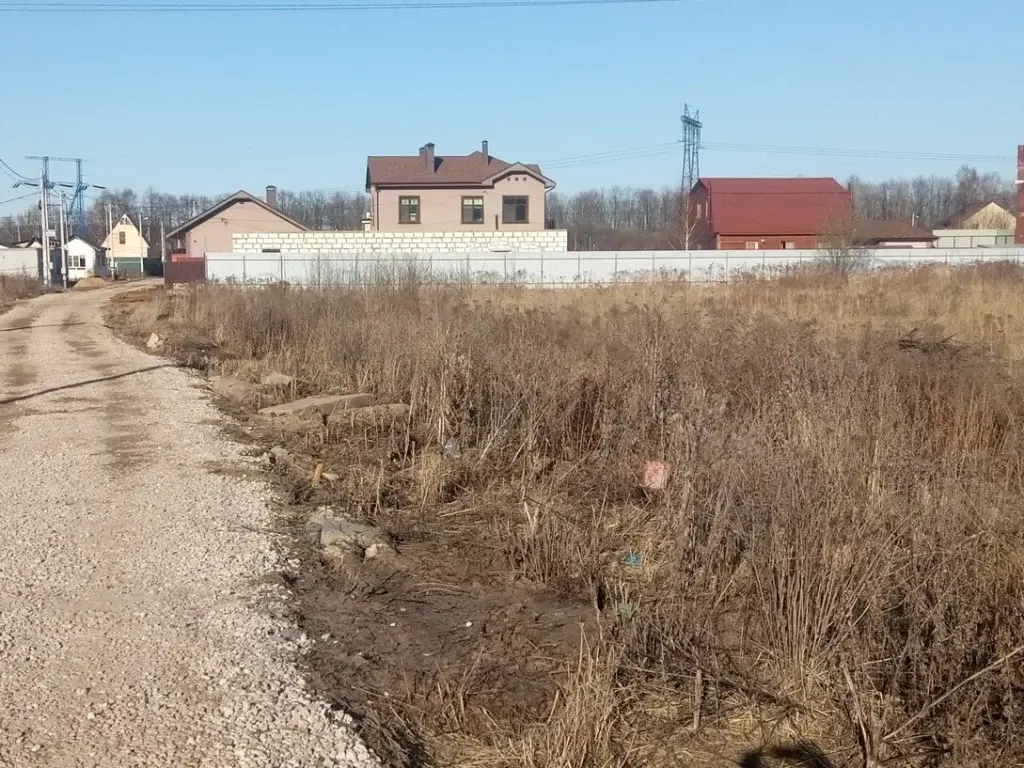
[[126, 248], [455, 193]]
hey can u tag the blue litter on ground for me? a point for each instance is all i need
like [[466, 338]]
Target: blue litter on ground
[[635, 559]]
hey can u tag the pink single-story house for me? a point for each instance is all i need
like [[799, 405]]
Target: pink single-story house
[[477, 192], [210, 231]]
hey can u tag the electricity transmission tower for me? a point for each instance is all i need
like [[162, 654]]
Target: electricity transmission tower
[[76, 207], [691, 164]]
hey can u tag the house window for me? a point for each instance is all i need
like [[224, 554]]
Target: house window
[[76, 261], [408, 210], [788, 245], [121, 239], [751, 245], [515, 209], [472, 210]]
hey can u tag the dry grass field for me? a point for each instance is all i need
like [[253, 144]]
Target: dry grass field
[[14, 288], [837, 555]]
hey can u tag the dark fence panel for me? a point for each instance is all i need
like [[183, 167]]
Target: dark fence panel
[[185, 270], [153, 267]]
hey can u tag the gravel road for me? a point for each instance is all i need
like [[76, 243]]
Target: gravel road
[[137, 623]]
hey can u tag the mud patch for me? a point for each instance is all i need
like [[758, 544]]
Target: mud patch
[[98, 358], [126, 446], [18, 374], [24, 321], [231, 469], [414, 639], [70, 321], [9, 416]]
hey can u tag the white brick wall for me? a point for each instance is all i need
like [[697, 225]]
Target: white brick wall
[[550, 240]]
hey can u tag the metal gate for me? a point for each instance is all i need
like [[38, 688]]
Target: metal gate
[[185, 270]]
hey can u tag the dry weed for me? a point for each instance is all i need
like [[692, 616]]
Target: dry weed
[[843, 504], [15, 287]]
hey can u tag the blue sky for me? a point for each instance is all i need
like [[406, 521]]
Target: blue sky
[[300, 99]]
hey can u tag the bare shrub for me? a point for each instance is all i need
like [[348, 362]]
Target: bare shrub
[[841, 250]]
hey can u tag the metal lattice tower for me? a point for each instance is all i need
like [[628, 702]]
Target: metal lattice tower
[[691, 148], [76, 207], [691, 168]]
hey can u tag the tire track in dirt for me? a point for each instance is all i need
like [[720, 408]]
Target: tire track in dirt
[[126, 442], [16, 373], [16, 330]]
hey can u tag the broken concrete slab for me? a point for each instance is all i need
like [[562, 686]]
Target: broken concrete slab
[[155, 342], [385, 414], [277, 380], [343, 533], [326, 405], [234, 389]]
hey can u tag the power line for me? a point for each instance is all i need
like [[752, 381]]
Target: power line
[[15, 176], [247, 7], [667, 148], [16, 199], [872, 154]]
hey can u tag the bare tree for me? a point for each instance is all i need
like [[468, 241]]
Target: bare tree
[[841, 250], [687, 229]]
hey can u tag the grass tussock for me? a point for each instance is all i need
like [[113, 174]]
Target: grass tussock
[[840, 542]]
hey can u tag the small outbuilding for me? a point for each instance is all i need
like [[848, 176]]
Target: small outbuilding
[[85, 259]]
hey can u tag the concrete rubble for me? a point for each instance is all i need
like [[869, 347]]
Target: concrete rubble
[[370, 414], [234, 389], [277, 380], [326, 405], [339, 535]]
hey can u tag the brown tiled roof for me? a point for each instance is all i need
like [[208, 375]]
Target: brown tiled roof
[[455, 170], [794, 206], [878, 230], [241, 196]]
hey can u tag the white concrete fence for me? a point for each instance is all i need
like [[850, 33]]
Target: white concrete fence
[[20, 262], [410, 243], [553, 268]]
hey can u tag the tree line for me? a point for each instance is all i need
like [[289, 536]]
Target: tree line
[[622, 217], [614, 218], [316, 209]]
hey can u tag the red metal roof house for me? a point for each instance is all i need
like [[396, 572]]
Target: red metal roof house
[[1020, 195], [766, 213]]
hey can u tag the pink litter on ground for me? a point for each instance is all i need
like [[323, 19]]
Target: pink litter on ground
[[655, 476]]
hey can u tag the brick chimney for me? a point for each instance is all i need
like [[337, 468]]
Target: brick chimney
[[486, 152], [428, 155], [1020, 195], [272, 196]]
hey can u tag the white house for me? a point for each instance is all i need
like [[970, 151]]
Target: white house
[[84, 259], [125, 246]]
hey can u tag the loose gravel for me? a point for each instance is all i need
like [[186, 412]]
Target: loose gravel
[[137, 623]]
